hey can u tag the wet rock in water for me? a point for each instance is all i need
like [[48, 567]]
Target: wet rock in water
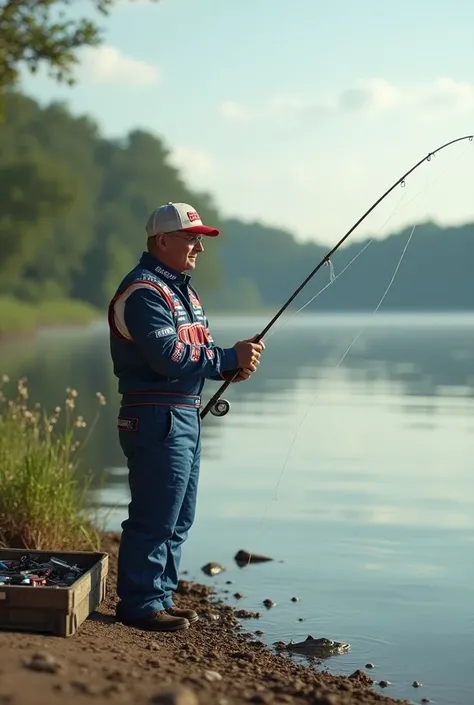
[[318, 648], [295, 599], [179, 695], [369, 665], [243, 558], [212, 676], [44, 662], [259, 632], [384, 684], [425, 700], [212, 568], [269, 603], [417, 684], [300, 619], [238, 595]]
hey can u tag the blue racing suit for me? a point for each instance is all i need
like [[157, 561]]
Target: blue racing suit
[[162, 352]]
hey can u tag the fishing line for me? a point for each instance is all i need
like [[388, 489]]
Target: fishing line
[[333, 276], [398, 207], [338, 365]]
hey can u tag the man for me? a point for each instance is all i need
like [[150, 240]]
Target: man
[[162, 353]]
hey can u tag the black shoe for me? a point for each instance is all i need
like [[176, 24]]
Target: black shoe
[[157, 622], [190, 615]]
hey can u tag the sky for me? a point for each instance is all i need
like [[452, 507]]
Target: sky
[[296, 114]]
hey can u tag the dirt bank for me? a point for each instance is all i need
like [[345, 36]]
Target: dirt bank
[[212, 663]]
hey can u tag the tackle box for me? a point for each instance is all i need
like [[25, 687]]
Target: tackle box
[[51, 609]]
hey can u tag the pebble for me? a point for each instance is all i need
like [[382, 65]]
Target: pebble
[[44, 662], [179, 695], [153, 646], [212, 568], [247, 614], [211, 616], [329, 699], [361, 677], [261, 698], [212, 676]]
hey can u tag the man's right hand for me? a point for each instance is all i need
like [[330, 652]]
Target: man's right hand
[[248, 354]]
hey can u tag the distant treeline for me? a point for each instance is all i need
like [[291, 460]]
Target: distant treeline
[[73, 206]]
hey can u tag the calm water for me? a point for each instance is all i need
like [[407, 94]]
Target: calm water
[[357, 478]]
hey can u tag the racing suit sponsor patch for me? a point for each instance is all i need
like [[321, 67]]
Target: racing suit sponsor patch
[[127, 424], [165, 273], [164, 332], [178, 351]]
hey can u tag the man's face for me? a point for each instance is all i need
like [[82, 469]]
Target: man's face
[[180, 249]]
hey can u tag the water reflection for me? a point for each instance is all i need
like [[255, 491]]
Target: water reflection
[[412, 360]]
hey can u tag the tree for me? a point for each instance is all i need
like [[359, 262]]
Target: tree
[[34, 192], [36, 31], [73, 205]]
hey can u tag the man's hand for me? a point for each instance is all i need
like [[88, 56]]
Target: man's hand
[[248, 354], [250, 350]]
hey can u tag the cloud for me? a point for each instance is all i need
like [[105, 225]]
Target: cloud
[[108, 65], [447, 93], [373, 94], [369, 97], [233, 111], [194, 162]]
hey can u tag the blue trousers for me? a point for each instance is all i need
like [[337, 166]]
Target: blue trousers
[[162, 445]]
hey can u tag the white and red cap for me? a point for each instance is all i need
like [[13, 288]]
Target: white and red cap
[[177, 216]]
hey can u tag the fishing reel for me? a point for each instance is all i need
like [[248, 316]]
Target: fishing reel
[[220, 408]]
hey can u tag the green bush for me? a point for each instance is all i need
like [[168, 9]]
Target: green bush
[[20, 317]]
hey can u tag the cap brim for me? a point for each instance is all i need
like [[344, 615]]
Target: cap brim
[[201, 230]]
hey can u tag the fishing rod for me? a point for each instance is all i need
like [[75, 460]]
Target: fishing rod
[[220, 407]]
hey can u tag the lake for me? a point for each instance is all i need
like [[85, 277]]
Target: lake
[[354, 473]]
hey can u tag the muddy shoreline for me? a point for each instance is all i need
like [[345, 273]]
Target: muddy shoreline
[[214, 662]]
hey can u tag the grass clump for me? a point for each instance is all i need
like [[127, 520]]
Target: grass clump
[[43, 496]]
